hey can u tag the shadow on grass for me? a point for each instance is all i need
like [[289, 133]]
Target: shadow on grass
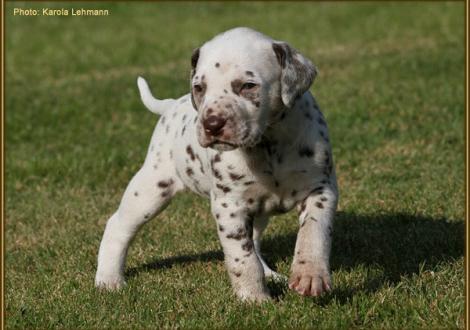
[[397, 244], [169, 262]]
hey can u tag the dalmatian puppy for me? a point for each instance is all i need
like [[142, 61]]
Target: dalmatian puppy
[[251, 137]]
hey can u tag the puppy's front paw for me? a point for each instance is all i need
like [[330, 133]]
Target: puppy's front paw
[[109, 281], [307, 279]]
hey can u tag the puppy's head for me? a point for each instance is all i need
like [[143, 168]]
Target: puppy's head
[[240, 81]]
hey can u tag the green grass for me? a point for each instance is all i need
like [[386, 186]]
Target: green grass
[[391, 85]]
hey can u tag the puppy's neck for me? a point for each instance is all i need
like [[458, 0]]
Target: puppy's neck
[[288, 129]]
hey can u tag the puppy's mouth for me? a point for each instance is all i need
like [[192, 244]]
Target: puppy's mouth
[[222, 145]]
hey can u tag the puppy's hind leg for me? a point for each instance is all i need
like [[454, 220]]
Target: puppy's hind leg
[[147, 194], [259, 226]]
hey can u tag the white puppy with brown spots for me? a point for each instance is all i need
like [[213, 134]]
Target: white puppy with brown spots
[[249, 136]]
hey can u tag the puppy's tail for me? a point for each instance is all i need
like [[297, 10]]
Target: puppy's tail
[[155, 105]]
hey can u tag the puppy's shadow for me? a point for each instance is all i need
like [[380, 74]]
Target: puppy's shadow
[[169, 262], [397, 244]]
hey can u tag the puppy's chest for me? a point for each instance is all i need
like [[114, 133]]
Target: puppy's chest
[[285, 168], [266, 180]]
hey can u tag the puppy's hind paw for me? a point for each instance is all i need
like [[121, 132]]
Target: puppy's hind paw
[[276, 276]]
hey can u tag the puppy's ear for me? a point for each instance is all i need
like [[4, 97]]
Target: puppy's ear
[[194, 59], [297, 73]]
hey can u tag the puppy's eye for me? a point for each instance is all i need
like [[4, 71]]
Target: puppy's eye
[[198, 88], [247, 86]]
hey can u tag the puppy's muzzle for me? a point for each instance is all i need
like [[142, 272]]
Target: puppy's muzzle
[[214, 125]]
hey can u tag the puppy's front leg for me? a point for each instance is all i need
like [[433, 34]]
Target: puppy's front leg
[[235, 229], [310, 269]]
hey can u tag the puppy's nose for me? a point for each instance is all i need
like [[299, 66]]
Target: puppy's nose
[[213, 125]]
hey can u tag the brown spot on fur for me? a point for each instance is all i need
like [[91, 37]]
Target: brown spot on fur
[[236, 177], [217, 64], [136, 193], [189, 171], [216, 173], [236, 86], [302, 262], [201, 166], [248, 183], [225, 189], [165, 184], [249, 73], [238, 235], [250, 200], [224, 205], [248, 246], [190, 152]]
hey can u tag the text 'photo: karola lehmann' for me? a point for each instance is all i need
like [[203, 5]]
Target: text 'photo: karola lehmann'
[[60, 12]]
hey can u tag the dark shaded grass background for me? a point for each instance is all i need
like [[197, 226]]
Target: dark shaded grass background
[[391, 84]]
